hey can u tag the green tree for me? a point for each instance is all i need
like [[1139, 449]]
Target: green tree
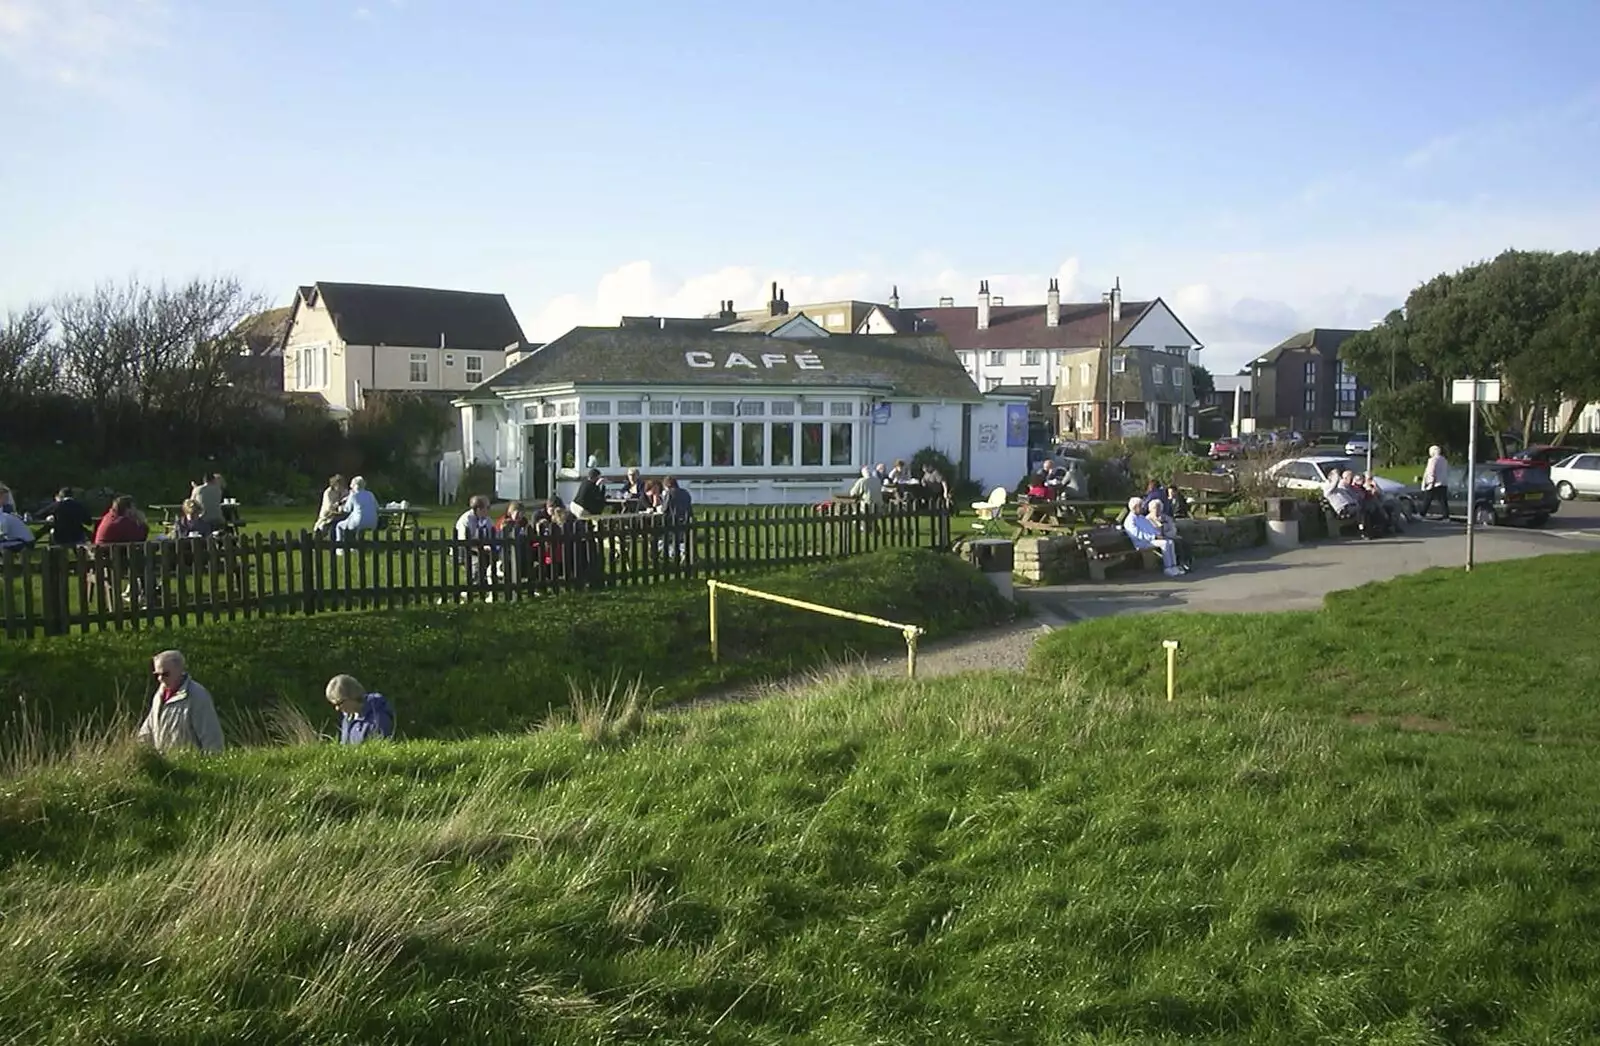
[[1201, 384]]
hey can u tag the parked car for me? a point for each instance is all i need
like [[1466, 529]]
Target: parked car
[[1578, 474], [1540, 455], [1314, 473], [1357, 446], [1226, 448], [1506, 493]]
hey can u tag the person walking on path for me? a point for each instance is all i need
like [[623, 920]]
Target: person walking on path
[[1435, 480], [182, 714]]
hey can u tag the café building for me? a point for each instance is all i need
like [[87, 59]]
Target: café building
[[739, 418]]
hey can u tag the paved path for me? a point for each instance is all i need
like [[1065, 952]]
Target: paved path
[[1298, 579]]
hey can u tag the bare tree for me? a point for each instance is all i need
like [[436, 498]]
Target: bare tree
[[26, 353]]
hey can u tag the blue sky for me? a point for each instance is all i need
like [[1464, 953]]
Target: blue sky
[[1264, 167]]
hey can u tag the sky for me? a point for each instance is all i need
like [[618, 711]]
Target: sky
[[1263, 167]]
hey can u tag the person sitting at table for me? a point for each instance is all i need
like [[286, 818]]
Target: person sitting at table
[[898, 473], [868, 490], [192, 522], [70, 522], [8, 500], [590, 497], [632, 485], [332, 508], [121, 524], [882, 473], [15, 535], [1049, 475], [1177, 504], [514, 520], [650, 500], [1037, 489], [360, 511], [1143, 533], [209, 493], [475, 527]]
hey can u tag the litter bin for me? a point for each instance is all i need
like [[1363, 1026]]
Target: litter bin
[[1283, 523], [995, 558]]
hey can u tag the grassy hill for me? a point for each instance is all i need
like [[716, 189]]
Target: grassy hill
[[1371, 824]]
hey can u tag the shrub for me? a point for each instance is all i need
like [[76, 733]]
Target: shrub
[[940, 462], [478, 478], [463, 670]]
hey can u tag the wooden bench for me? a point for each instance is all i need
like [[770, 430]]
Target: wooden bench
[[1207, 492], [1338, 526], [1105, 547]]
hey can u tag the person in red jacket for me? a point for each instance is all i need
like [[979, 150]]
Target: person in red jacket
[[121, 524]]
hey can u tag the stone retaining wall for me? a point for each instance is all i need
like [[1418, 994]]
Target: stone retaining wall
[[1056, 559]]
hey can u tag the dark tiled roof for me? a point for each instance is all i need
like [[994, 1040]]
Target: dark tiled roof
[[1017, 326], [906, 365], [1325, 340], [265, 332], [374, 314], [768, 324]]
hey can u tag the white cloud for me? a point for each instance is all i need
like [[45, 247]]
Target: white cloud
[[78, 43], [1237, 303]]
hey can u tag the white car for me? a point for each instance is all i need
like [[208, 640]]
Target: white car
[[1314, 472], [1579, 474], [1357, 446]]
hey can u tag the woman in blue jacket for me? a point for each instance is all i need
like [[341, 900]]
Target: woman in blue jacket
[[362, 716]]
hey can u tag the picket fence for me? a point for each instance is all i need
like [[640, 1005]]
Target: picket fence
[[56, 591]]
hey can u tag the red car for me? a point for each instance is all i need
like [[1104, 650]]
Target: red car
[[1227, 447], [1540, 456]]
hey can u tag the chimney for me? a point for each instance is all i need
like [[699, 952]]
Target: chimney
[[1052, 305], [772, 303], [783, 303], [1116, 301], [727, 311], [894, 297], [983, 305], [947, 303]]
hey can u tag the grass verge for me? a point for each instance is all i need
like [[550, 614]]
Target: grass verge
[[459, 670], [985, 859]]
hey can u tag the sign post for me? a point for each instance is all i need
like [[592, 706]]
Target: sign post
[[1472, 392]]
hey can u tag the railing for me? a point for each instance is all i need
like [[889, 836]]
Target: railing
[[713, 586], [55, 591]]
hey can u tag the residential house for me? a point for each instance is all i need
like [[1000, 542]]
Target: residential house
[[1060, 346], [835, 317], [1302, 384], [739, 417], [258, 367], [346, 339]]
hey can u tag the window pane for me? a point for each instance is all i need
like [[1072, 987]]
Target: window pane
[[629, 433], [840, 439], [597, 444], [692, 407], [811, 444], [569, 446], [752, 444], [691, 444], [722, 444], [661, 444], [783, 444], [659, 408]]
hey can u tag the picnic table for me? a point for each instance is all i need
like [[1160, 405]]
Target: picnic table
[[1066, 513], [400, 517], [231, 519]]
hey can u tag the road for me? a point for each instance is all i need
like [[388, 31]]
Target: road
[[1297, 579]]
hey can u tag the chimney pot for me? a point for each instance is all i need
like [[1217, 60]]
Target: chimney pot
[[983, 305], [1052, 306]]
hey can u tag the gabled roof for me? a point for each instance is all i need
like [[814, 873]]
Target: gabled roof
[[776, 324], [1323, 340], [265, 332], [1017, 326], [376, 314], [906, 366]]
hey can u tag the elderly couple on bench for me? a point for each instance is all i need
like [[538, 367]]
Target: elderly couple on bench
[[1149, 525]]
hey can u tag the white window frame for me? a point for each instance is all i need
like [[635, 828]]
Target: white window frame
[[474, 364], [1119, 363], [1030, 382], [1032, 357], [1084, 377], [1158, 374], [997, 357], [1116, 412], [990, 384], [422, 359]]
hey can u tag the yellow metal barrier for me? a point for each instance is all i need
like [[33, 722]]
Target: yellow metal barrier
[[911, 632]]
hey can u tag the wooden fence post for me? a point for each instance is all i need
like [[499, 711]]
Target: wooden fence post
[[308, 573], [53, 581]]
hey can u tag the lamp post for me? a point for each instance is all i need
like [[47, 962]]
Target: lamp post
[[1111, 299]]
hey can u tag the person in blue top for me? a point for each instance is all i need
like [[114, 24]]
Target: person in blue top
[[362, 716], [361, 511]]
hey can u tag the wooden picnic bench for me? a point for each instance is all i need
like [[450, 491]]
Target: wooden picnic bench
[[1062, 515], [1207, 492], [1105, 547]]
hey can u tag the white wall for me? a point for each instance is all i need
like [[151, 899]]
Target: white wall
[[993, 463], [1012, 370], [1159, 329], [937, 425]]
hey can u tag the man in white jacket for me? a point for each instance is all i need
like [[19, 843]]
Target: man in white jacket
[[182, 714], [1435, 479]]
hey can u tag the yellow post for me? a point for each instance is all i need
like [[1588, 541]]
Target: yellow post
[[911, 653], [1171, 646], [711, 594]]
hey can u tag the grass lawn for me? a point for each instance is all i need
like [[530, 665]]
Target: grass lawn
[[1372, 824]]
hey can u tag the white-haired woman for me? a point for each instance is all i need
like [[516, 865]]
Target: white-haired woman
[[362, 716], [361, 511], [1435, 484], [1182, 556], [1146, 534]]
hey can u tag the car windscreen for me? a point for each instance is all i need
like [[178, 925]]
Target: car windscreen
[[1332, 465]]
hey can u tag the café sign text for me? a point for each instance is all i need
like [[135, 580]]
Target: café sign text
[[769, 360]]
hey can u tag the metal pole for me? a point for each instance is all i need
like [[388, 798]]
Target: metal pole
[[1472, 478], [911, 653], [711, 593], [1172, 665], [1369, 446]]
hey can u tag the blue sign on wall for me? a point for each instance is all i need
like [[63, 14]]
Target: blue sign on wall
[[1016, 424], [880, 414]]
